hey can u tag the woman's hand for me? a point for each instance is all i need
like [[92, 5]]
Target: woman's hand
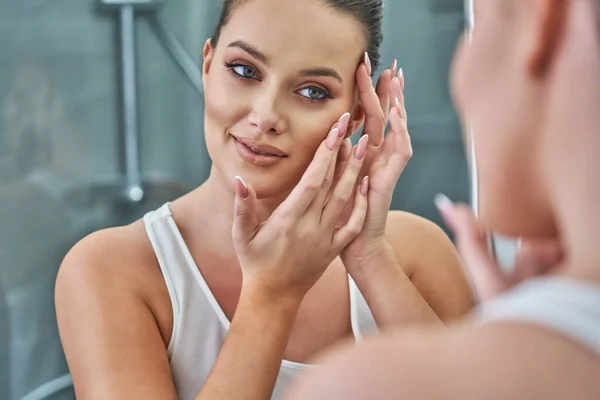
[[386, 158], [536, 257], [284, 257]]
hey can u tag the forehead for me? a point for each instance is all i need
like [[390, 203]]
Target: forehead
[[305, 31]]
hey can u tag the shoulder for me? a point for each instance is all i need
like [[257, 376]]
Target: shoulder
[[110, 262], [114, 253], [499, 361], [417, 240], [404, 225], [430, 260]]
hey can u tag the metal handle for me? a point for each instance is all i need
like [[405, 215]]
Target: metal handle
[[134, 191], [474, 177]]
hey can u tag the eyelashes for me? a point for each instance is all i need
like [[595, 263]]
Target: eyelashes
[[245, 73], [242, 71]]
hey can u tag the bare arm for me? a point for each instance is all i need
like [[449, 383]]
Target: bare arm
[[114, 347], [416, 277], [250, 358], [111, 340]]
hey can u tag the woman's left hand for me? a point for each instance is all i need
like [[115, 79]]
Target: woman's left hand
[[387, 155]]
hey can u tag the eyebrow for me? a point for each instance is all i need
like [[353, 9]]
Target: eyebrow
[[322, 72], [257, 54], [240, 44]]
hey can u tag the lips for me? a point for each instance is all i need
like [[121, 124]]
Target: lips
[[260, 148], [258, 154]]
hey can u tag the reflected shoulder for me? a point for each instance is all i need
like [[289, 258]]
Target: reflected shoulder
[[499, 361], [413, 236]]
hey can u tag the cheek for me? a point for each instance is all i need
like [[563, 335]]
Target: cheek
[[219, 102], [310, 129], [223, 107]]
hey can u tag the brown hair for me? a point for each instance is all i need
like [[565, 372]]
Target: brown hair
[[369, 13]]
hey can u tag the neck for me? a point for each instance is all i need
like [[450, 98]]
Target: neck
[[212, 205], [571, 156]]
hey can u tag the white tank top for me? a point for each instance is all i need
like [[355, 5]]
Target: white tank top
[[568, 307], [199, 323]]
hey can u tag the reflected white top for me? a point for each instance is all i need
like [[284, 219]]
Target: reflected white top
[[568, 307]]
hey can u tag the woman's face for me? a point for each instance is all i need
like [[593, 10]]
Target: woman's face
[[281, 75], [499, 99]]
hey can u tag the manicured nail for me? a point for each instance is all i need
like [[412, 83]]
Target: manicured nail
[[394, 66], [368, 63], [364, 186], [342, 124], [361, 148], [332, 139], [443, 203], [398, 105], [401, 77], [241, 190]]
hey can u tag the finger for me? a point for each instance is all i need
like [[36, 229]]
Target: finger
[[344, 188], [245, 223], [342, 158], [310, 184], [343, 236], [383, 91], [375, 118], [397, 97], [323, 194], [537, 257], [340, 163], [487, 276]]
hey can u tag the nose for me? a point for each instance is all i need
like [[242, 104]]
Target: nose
[[266, 114]]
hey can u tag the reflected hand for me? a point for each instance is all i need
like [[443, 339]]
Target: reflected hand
[[535, 258], [386, 157], [284, 257]]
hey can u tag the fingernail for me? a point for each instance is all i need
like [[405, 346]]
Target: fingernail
[[343, 124], [361, 148], [397, 103], [332, 139], [401, 77], [443, 203], [241, 191], [364, 186], [394, 66], [368, 63]]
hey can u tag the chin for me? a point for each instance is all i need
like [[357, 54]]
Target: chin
[[266, 182], [516, 220]]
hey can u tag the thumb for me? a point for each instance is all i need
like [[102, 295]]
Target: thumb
[[245, 223], [487, 276], [537, 257]]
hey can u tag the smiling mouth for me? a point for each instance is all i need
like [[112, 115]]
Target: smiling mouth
[[262, 153], [260, 149]]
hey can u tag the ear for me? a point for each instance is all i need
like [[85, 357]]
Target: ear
[[357, 119], [551, 18], [207, 57]]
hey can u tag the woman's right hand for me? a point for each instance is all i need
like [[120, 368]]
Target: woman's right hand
[[283, 257], [536, 257]]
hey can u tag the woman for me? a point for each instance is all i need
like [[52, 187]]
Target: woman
[[177, 305], [530, 85]]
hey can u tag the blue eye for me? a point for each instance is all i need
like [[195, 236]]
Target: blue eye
[[314, 93], [244, 71]]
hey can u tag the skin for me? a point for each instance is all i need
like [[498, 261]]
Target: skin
[[525, 59], [110, 290]]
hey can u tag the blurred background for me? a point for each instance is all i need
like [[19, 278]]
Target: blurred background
[[79, 153]]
